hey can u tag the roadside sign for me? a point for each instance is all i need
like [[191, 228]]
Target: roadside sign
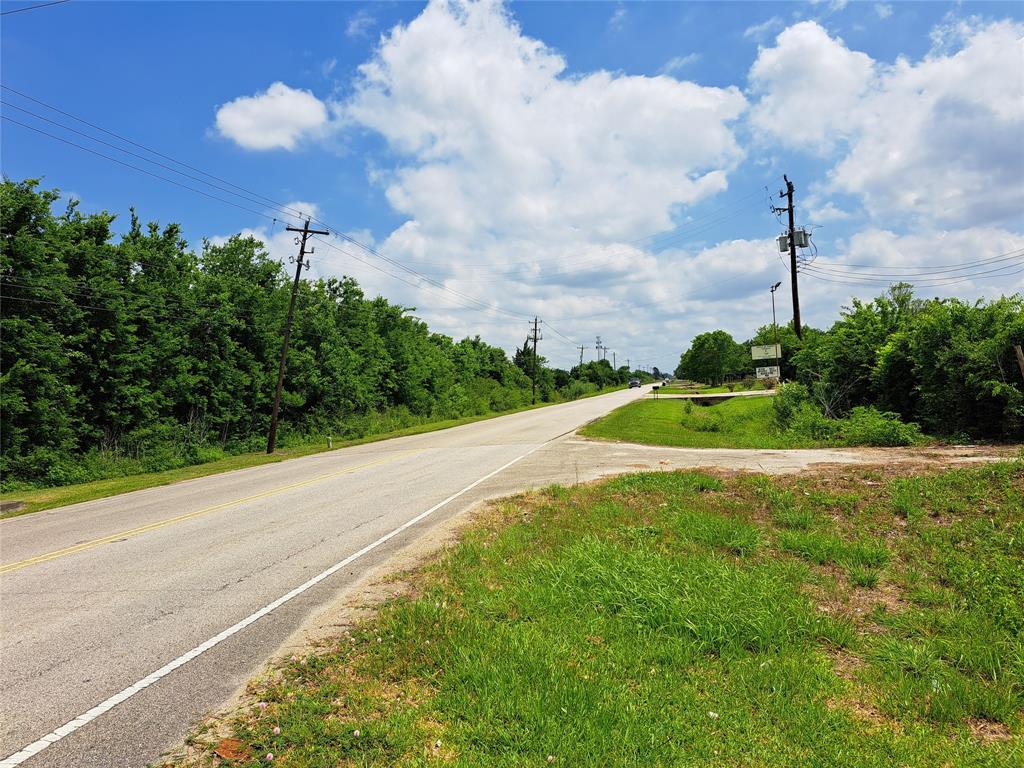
[[766, 352], [768, 372]]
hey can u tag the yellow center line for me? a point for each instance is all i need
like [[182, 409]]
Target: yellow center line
[[85, 545]]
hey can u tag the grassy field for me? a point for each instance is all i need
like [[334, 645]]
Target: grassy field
[[680, 619], [58, 496], [742, 422]]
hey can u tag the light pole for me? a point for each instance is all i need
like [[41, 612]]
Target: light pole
[[775, 326]]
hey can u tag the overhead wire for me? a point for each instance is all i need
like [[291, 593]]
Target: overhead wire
[[337, 232], [134, 167], [152, 151], [34, 7], [963, 267], [989, 274], [296, 215]]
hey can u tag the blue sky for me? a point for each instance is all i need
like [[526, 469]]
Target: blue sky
[[525, 154]]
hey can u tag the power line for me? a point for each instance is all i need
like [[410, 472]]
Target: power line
[[1008, 256], [559, 333], [144, 147], [924, 266], [479, 302], [34, 7], [145, 159], [939, 282], [925, 279], [461, 305], [134, 167], [286, 210]]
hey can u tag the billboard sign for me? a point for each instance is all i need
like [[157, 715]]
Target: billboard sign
[[768, 372], [766, 352]]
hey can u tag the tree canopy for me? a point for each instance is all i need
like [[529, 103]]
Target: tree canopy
[[946, 364], [145, 350]]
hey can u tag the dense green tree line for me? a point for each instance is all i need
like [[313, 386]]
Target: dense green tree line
[[141, 354], [946, 364]]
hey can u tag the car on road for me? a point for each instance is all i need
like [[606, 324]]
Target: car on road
[[634, 383]]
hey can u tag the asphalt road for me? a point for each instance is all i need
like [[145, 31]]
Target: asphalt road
[[124, 620]]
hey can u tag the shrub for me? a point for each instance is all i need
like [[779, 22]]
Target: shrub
[[870, 426], [811, 423], [709, 423], [787, 401]]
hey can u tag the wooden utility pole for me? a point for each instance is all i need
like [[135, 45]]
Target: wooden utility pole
[[535, 337], [581, 348], [299, 263], [1020, 358], [788, 194]]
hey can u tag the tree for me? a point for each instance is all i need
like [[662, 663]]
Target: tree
[[711, 357]]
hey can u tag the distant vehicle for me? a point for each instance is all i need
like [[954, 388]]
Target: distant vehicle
[[634, 383]]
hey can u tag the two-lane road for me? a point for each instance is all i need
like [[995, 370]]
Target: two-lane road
[[125, 619]]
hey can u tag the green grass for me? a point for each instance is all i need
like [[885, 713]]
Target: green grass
[[672, 619], [38, 499], [742, 422], [706, 390]]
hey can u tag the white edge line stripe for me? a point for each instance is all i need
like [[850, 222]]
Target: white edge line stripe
[[73, 725]]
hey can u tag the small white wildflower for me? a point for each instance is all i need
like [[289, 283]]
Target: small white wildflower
[[356, 733], [713, 715]]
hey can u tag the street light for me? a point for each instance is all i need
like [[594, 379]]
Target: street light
[[778, 350]]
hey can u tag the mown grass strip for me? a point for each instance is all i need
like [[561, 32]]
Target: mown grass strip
[[741, 422]]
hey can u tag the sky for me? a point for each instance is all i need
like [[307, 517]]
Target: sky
[[607, 167]]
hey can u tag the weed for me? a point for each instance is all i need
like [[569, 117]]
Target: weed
[[863, 577]]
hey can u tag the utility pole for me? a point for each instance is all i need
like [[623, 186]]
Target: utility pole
[[535, 337], [788, 194], [627, 365], [1020, 357], [778, 350], [299, 263], [614, 368], [581, 348], [598, 347]]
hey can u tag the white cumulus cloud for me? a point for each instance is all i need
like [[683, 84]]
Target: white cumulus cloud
[[506, 162], [936, 140], [278, 118]]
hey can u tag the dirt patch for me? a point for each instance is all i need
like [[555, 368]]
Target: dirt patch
[[855, 699], [987, 731], [863, 601], [863, 710]]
